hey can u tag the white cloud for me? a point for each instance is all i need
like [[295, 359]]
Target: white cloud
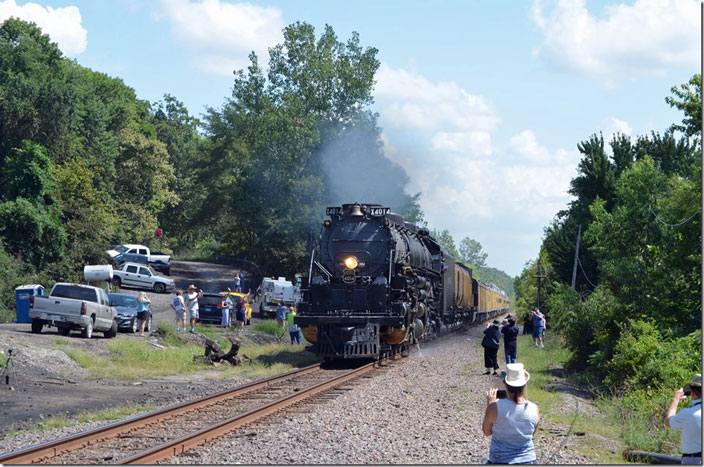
[[223, 34], [647, 37], [444, 138], [613, 125], [62, 25], [411, 101]]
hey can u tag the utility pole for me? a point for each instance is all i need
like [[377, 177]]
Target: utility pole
[[539, 276], [576, 257]]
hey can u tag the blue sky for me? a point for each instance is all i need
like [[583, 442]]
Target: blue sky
[[481, 102]]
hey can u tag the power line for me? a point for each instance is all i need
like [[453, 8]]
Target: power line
[[673, 225], [579, 261]]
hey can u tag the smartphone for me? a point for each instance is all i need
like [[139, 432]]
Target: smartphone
[[687, 393], [501, 394]]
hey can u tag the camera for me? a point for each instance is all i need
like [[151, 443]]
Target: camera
[[687, 392], [501, 394]]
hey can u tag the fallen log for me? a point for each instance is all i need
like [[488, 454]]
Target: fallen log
[[214, 354]]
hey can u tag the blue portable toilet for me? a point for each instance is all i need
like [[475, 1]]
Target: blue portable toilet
[[22, 294]]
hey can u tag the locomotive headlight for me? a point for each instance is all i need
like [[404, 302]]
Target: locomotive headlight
[[351, 262]]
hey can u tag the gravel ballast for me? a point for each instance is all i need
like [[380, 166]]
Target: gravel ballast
[[427, 410]]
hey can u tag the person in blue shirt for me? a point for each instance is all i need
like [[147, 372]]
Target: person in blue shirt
[[689, 420], [511, 422], [143, 303], [281, 313], [538, 328]]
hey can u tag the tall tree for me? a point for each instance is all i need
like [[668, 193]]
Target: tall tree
[[471, 252], [444, 238]]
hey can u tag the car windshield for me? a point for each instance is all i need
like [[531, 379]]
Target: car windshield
[[123, 300], [121, 249], [209, 300]]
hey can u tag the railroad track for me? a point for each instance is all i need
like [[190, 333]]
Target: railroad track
[[164, 433]]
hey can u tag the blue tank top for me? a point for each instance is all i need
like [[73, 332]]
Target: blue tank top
[[512, 434]]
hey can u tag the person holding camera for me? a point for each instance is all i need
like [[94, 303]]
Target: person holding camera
[[490, 342], [511, 420], [689, 420]]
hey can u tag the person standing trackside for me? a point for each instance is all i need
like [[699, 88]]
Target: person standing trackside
[[510, 332], [538, 327], [179, 307], [281, 312], [689, 420], [238, 283], [142, 311], [492, 337], [192, 303], [513, 421], [293, 330]]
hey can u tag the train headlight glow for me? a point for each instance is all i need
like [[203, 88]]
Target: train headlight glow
[[351, 262]]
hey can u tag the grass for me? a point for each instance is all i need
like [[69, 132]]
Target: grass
[[270, 326], [131, 359], [109, 414]]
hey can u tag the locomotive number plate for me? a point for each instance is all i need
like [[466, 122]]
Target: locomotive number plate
[[335, 211], [378, 211]]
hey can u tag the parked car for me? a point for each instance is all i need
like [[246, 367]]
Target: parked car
[[74, 306], [208, 310], [126, 306], [122, 258], [152, 256], [140, 276], [236, 297]]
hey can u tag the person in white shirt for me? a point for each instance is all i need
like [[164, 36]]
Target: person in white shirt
[[689, 420], [192, 303], [179, 308]]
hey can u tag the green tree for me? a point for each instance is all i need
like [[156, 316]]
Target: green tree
[[688, 98], [471, 252], [444, 238]]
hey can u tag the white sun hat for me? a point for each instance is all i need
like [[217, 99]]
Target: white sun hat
[[516, 375]]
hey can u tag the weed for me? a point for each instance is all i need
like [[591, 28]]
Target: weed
[[61, 421], [61, 341], [270, 326]]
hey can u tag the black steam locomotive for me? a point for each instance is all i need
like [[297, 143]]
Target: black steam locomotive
[[381, 284]]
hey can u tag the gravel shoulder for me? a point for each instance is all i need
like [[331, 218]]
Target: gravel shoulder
[[428, 410]]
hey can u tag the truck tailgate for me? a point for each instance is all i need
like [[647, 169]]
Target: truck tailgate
[[55, 307]]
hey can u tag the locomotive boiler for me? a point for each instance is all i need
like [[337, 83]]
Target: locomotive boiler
[[379, 285]]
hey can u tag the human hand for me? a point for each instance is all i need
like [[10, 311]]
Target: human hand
[[491, 396], [679, 395]]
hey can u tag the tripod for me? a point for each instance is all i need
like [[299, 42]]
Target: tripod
[[8, 369]]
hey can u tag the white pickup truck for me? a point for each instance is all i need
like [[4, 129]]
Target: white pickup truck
[[139, 275], [74, 306], [152, 256]]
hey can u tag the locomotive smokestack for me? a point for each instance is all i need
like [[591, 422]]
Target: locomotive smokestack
[[356, 210]]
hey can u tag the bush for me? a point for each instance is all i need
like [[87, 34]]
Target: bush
[[644, 359]]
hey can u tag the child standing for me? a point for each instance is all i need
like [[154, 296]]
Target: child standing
[[179, 307]]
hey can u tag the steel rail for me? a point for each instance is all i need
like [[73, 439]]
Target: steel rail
[[184, 443], [54, 448]]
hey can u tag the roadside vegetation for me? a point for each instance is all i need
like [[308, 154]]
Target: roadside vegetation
[[632, 322]]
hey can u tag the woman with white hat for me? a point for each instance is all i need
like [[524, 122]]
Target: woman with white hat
[[511, 422]]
